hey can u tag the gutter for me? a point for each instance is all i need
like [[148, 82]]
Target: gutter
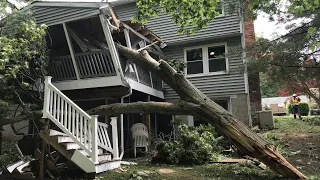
[[121, 121]]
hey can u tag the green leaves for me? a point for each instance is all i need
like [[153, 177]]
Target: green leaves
[[193, 146], [23, 59], [190, 15]]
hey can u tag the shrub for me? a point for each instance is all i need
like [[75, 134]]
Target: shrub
[[194, 146], [315, 112], [304, 108], [288, 108], [314, 121]]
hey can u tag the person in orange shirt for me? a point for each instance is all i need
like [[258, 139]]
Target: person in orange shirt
[[294, 101]]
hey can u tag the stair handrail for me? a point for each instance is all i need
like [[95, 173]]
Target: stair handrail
[[92, 148]]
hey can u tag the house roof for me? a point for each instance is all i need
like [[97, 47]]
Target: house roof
[[52, 12], [79, 3]]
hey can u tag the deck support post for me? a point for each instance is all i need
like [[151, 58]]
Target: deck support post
[[94, 126], [148, 124], [115, 147], [43, 152], [71, 50], [46, 98]]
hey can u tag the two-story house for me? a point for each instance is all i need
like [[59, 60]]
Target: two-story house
[[87, 71], [209, 65]]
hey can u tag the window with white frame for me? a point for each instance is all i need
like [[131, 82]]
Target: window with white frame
[[208, 59]]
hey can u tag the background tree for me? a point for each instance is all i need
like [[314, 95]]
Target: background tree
[[291, 60], [269, 88]]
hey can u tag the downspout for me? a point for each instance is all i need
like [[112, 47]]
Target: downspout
[[126, 82], [121, 121]]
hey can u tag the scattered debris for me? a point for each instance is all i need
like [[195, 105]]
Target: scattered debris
[[122, 170], [294, 153], [18, 170], [128, 163], [12, 167], [143, 173], [187, 169], [248, 160], [140, 175], [231, 160], [166, 171]]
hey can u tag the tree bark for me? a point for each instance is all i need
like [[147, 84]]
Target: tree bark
[[248, 142], [179, 108]]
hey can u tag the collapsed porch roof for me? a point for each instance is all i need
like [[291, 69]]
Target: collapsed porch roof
[[58, 12], [88, 67]]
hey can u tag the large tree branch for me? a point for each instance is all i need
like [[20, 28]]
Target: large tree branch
[[161, 68], [240, 135], [21, 117], [178, 108], [310, 93]]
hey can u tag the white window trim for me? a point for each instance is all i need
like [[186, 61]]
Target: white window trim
[[205, 62], [222, 8]]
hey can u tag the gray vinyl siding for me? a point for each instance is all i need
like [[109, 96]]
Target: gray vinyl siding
[[57, 15], [223, 26], [214, 86]]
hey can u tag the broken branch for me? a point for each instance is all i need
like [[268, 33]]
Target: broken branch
[[21, 117]]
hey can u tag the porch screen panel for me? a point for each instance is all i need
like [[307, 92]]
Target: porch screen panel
[[157, 82], [128, 68], [144, 75]]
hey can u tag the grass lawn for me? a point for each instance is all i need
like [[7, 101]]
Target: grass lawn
[[297, 140]]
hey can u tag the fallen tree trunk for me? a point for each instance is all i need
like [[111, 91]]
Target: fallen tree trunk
[[179, 108], [248, 142]]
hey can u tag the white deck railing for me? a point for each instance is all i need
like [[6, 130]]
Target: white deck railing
[[104, 140], [89, 64], [82, 128]]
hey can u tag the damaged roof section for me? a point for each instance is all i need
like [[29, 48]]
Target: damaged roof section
[[54, 13], [81, 39]]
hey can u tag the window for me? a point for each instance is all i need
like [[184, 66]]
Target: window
[[209, 59], [217, 59], [194, 61], [220, 8]]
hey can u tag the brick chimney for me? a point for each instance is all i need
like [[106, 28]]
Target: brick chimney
[[253, 78]]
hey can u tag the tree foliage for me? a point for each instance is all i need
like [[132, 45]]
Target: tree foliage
[[23, 59], [292, 59], [193, 146], [268, 88], [190, 15]]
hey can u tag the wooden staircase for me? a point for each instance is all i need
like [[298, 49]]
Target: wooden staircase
[[82, 139]]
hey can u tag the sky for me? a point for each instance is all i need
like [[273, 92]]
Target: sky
[[264, 28]]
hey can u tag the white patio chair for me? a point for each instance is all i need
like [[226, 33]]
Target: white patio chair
[[140, 137]]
